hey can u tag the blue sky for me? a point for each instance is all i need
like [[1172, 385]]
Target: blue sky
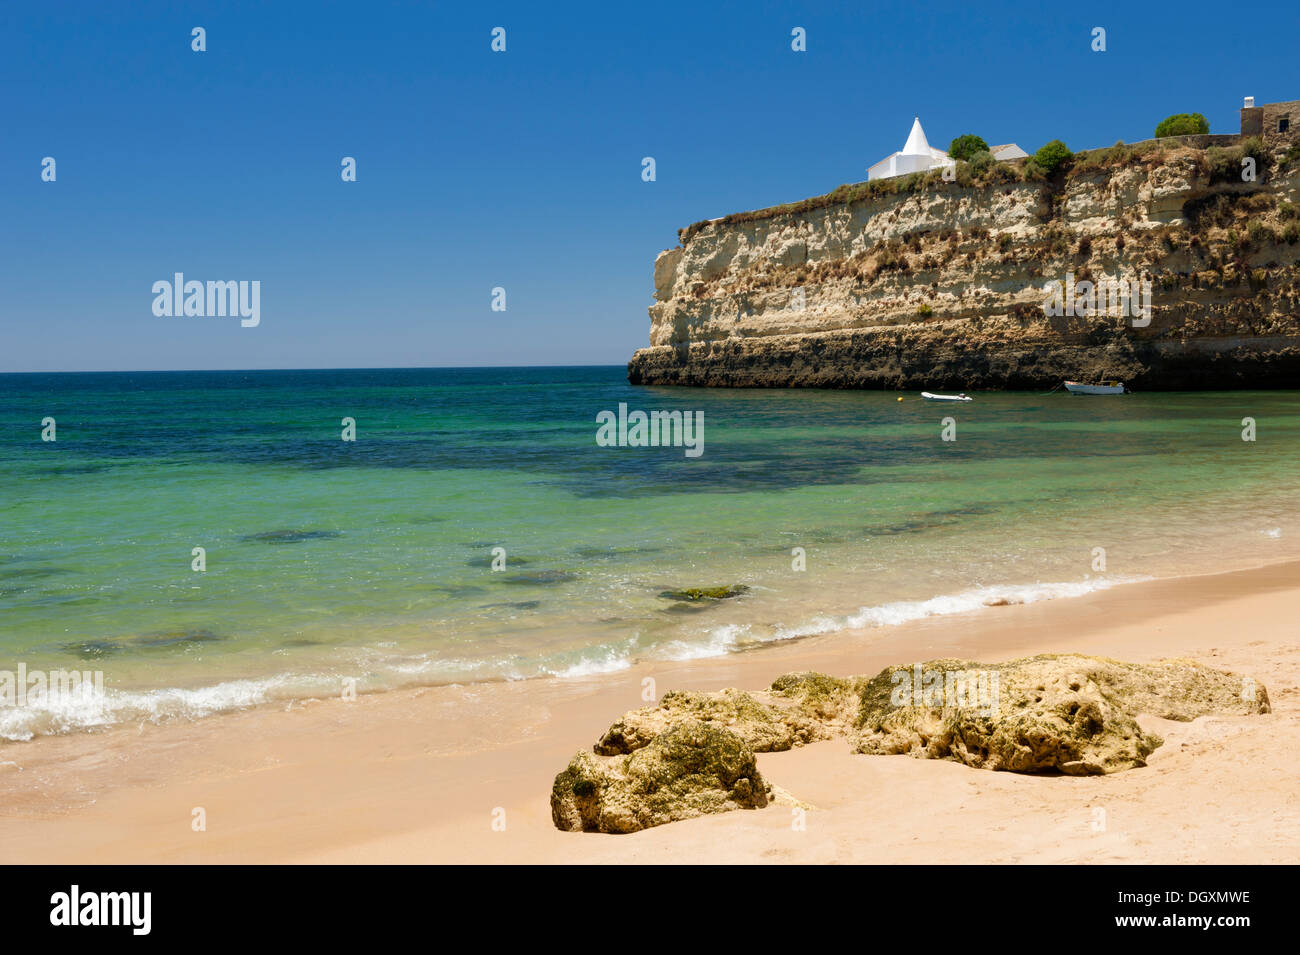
[[519, 169]]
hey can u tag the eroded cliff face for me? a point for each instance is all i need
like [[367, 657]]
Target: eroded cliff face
[[941, 284]]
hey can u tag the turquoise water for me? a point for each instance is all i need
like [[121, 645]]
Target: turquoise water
[[372, 560]]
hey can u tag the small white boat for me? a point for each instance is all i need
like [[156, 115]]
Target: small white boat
[[1109, 388], [929, 397]]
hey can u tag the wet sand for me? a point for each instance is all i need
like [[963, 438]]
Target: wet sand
[[422, 775]]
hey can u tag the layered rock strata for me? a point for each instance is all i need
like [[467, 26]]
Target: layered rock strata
[[920, 282]]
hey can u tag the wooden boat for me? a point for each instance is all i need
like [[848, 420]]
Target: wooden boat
[[929, 397], [1107, 388]]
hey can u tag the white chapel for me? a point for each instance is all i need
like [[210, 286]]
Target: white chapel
[[917, 155]]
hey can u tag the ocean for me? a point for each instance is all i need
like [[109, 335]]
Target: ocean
[[476, 530]]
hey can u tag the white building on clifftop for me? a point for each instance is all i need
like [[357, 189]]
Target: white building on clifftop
[[917, 155]]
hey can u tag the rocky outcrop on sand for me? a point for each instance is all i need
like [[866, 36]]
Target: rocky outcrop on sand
[[919, 282], [767, 724], [693, 753], [1067, 713], [687, 770]]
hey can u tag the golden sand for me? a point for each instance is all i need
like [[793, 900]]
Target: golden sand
[[463, 773]]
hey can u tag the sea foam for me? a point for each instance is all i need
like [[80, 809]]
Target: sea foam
[[81, 711]]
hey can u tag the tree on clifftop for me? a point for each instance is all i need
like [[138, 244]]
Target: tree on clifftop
[[1182, 124], [1052, 156], [963, 147]]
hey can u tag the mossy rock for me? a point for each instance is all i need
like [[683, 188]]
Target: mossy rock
[[706, 593], [765, 727], [826, 699], [693, 753], [689, 770], [1050, 713]]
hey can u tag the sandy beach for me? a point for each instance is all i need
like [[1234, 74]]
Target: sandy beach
[[417, 776]]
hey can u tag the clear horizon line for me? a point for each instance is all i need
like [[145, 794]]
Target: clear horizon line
[[172, 371]]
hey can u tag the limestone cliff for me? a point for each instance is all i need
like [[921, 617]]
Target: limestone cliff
[[922, 282]]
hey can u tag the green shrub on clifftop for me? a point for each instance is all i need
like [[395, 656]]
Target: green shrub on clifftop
[[1225, 165], [1182, 124], [981, 162], [1052, 156], [964, 147]]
